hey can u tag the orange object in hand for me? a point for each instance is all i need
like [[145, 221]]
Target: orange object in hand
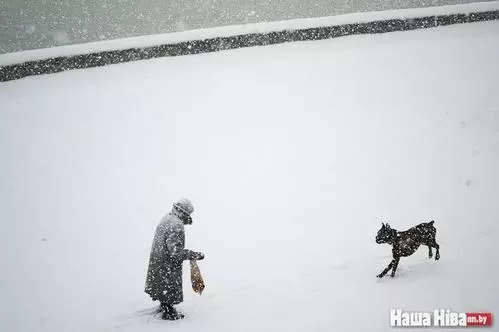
[[196, 278]]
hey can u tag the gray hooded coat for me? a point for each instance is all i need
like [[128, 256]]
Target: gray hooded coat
[[164, 275]]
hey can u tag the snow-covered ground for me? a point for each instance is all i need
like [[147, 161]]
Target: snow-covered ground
[[292, 154]]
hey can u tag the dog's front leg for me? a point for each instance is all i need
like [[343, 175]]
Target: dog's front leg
[[385, 271], [395, 265]]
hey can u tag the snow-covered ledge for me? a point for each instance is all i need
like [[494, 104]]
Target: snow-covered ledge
[[57, 59]]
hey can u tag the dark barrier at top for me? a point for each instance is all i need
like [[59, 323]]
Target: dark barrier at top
[[63, 63]]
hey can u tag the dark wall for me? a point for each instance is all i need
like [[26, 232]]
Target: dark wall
[[59, 64], [34, 24]]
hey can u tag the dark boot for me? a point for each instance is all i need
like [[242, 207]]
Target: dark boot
[[170, 313]]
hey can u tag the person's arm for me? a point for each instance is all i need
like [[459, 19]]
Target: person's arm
[[175, 248]]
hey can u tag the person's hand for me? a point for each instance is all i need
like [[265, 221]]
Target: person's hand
[[197, 256]]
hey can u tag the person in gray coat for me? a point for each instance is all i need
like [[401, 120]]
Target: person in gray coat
[[164, 275]]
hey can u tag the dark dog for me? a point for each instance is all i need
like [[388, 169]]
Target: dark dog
[[407, 242]]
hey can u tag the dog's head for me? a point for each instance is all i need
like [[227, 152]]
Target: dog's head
[[384, 234]]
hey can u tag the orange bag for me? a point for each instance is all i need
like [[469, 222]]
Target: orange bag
[[196, 278]]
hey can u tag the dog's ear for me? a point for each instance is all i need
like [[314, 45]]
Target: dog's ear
[[388, 226]]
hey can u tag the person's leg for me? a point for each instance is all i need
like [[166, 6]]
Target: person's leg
[[170, 313]]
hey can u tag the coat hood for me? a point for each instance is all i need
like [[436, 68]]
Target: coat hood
[[185, 205]]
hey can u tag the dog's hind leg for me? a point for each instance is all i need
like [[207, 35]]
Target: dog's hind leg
[[430, 252], [435, 245], [433, 242]]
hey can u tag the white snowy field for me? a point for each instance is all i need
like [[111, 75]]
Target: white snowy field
[[293, 155]]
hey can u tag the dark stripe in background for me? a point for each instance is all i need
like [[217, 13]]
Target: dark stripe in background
[[98, 59]]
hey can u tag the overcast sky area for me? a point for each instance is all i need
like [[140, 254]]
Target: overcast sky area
[[26, 25]]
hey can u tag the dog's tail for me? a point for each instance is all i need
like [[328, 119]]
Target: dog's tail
[[433, 229]]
